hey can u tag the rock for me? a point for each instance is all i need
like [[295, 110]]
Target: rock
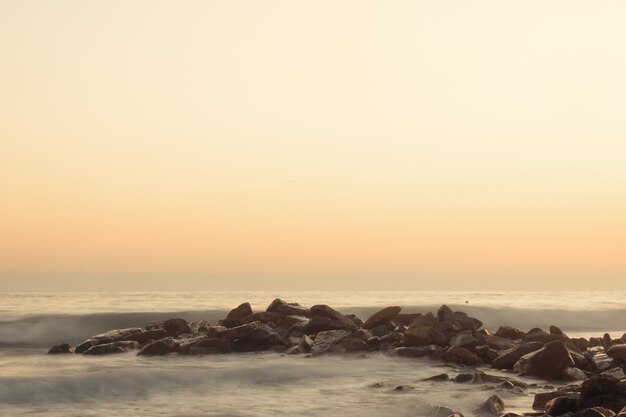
[[441, 411], [416, 351], [82, 347], [176, 327], [509, 333], [252, 337], [561, 405], [462, 356], [418, 336], [594, 412], [498, 343], [492, 406], [328, 341], [147, 335], [289, 309], [210, 345], [485, 353], [603, 391], [548, 362], [354, 344], [617, 352], [332, 314], [160, 347], [439, 377], [404, 388], [607, 342], [573, 374], [241, 311], [510, 357], [538, 335], [62, 348], [107, 337], [381, 317], [615, 373], [603, 362], [427, 320], [542, 398], [464, 339], [556, 331], [113, 347], [623, 412]]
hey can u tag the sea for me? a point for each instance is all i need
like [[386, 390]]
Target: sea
[[259, 384]]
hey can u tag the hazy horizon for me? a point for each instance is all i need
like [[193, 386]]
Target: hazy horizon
[[291, 145]]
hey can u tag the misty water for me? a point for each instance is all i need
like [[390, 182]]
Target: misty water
[[264, 384]]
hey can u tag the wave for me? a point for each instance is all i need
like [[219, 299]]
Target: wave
[[46, 330]]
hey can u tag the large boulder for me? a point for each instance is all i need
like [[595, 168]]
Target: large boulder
[[561, 405], [418, 336], [464, 339], [323, 310], [498, 342], [509, 358], [617, 352], [289, 309], [176, 327], [329, 341], [603, 391], [416, 351], [240, 312], [493, 406], [210, 345], [113, 347], [160, 347], [252, 337], [548, 362], [462, 356], [148, 335], [107, 337], [382, 316]]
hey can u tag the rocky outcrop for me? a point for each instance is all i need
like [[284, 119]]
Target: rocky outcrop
[[382, 317], [548, 362]]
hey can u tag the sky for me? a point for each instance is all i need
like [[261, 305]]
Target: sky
[[298, 145]]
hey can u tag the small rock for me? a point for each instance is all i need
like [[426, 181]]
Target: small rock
[[492, 406], [62, 348]]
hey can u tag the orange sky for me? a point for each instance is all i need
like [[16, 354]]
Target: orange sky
[[312, 145]]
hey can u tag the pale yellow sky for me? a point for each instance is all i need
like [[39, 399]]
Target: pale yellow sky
[[312, 145]]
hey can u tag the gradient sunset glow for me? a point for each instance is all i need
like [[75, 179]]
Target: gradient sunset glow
[[312, 145]]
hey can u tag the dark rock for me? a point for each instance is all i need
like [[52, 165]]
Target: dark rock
[[82, 347], [603, 362], [573, 374], [492, 406], [147, 335], [404, 388], [176, 327], [441, 411], [289, 309], [509, 333], [328, 341], [617, 352], [113, 347], [439, 377], [418, 336], [210, 345], [462, 356], [416, 351], [542, 398], [332, 314], [607, 342], [464, 339], [62, 348], [603, 391], [498, 342], [240, 312], [382, 316], [463, 378], [160, 347], [561, 405], [252, 337], [594, 412], [548, 362], [354, 344], [538, 335], [556, 331]]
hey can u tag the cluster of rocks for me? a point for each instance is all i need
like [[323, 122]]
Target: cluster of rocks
[[447, 335]]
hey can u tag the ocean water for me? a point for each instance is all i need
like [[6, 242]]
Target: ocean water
[[264, 384]]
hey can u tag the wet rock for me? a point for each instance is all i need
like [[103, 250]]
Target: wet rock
[[573, 374], [602, 362], [439, 377], [210, 345], [548, 362], [607, 342], [113, 347], [464, 339], [623, 412], [416, 351], [418, 336], [556, 331], [498, 343], [82, 347], [160, 347], [510, 357], [509, 333], [617, 352], [542, 398], [62, 348], [289, 309], [332, 314], [402, 388], [354, 344], [603, 391], [492, 406], [485, 353], [427, 320], [594, 412], [462, 356], [441, 411], [538, 335], [176, 327], [251, 337], [147, 335], [107, 337], [240, 312], [615, 373], [561, 405], [382, 316], [328, 341]]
